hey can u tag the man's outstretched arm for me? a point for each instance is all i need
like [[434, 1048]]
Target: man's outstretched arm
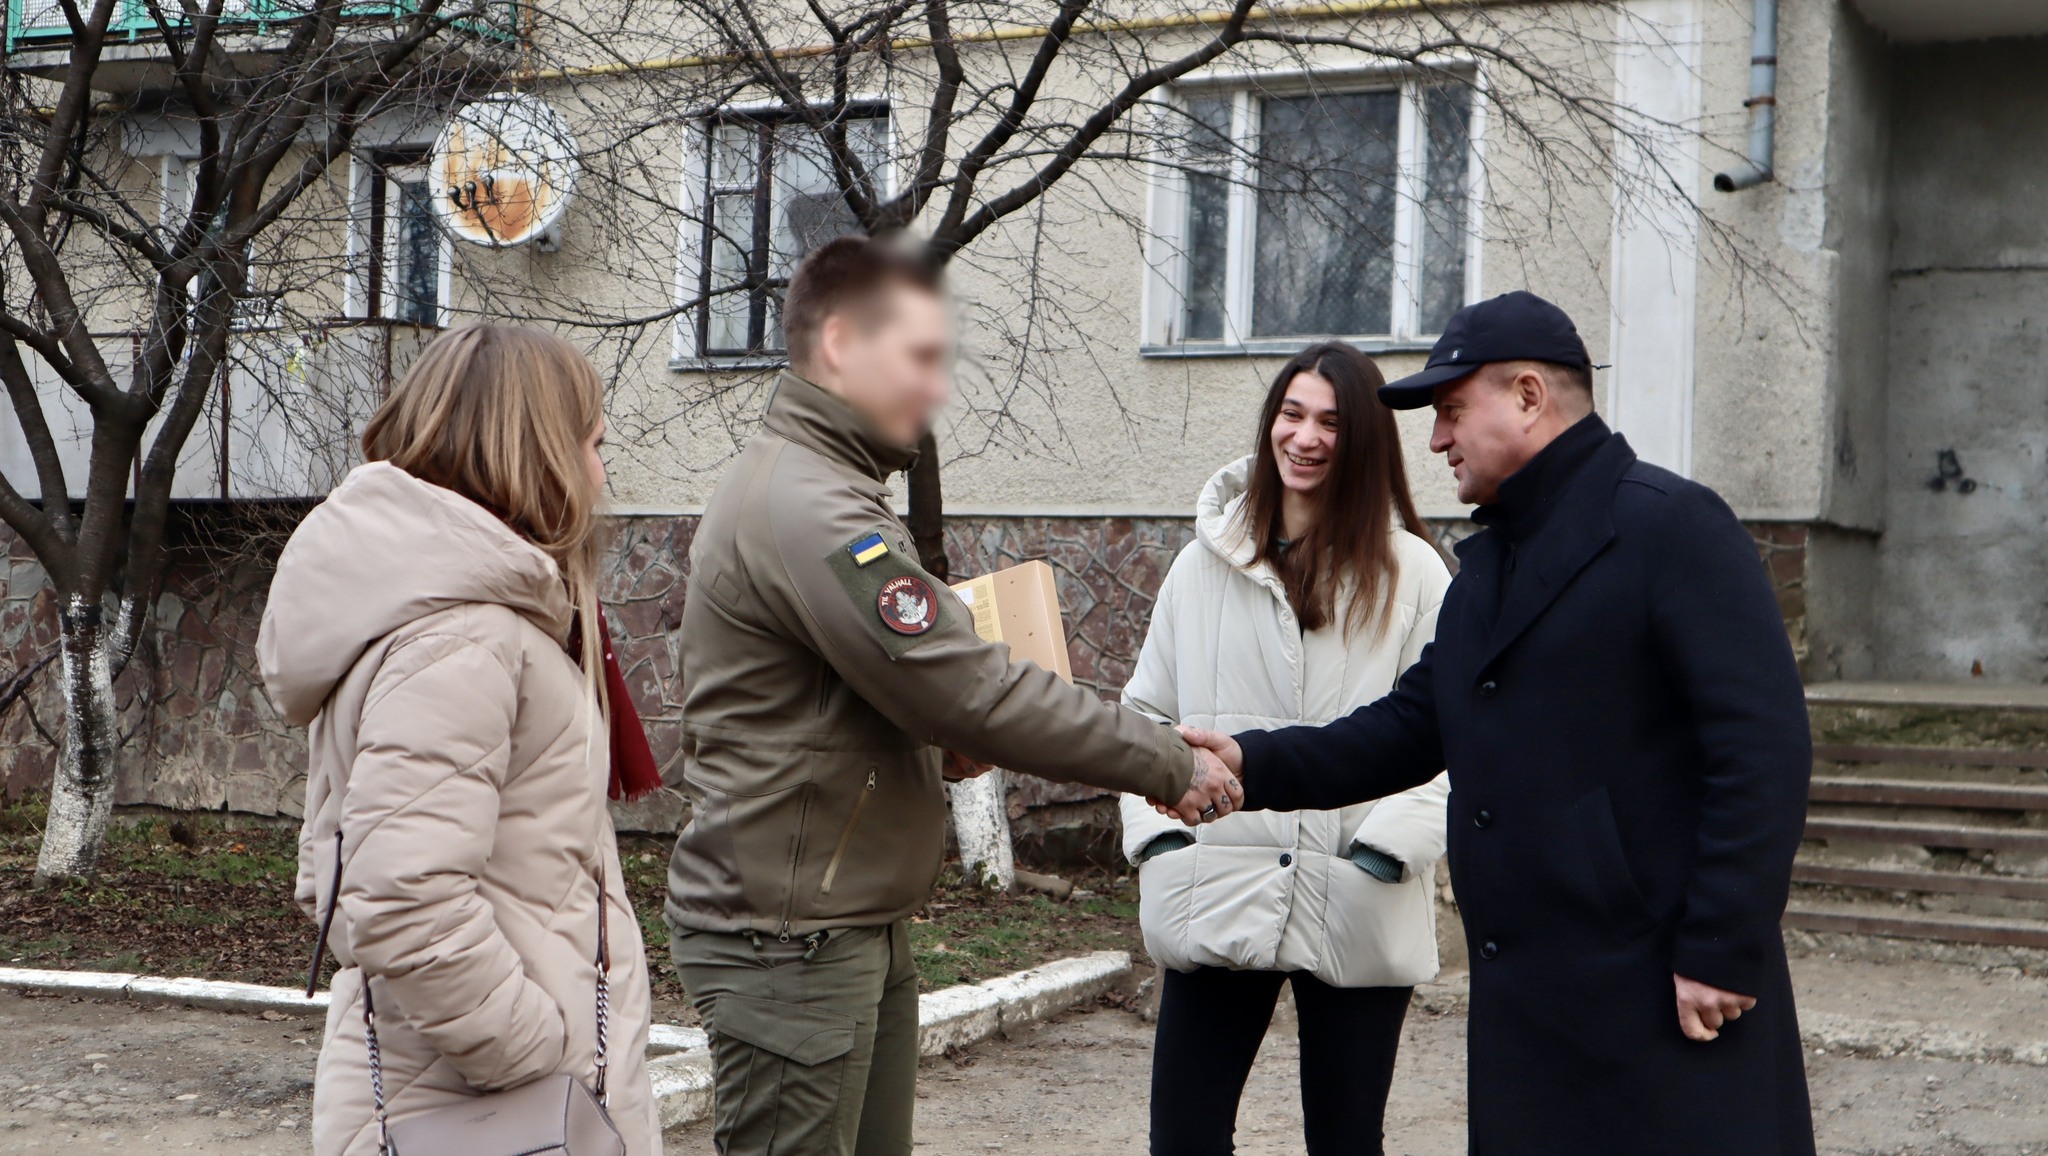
[[1380, 749], [900, 639]]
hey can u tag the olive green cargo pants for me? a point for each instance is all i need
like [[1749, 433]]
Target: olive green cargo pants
[[813, 1041]]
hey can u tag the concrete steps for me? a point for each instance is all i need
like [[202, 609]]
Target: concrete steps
[[1928, 820]]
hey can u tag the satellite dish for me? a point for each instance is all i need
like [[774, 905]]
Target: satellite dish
[[503, 171]]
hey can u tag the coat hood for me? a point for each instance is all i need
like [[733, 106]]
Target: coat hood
[[383, 550], [1216, 511]]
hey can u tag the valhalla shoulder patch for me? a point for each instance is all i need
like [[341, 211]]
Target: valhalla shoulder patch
[[907, 605]]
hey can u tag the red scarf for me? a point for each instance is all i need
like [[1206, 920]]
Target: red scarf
[[634, 773]]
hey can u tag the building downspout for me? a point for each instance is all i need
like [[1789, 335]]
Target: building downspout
[[1762, 104]]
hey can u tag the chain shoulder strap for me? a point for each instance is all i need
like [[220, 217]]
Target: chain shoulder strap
[[604, 985], [376, 1068]]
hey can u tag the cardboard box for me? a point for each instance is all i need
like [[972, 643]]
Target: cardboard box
[[1020, 606]]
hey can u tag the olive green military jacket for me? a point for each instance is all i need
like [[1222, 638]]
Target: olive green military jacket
[[823, 667]]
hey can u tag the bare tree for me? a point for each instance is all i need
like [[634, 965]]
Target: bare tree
[[131, 295]]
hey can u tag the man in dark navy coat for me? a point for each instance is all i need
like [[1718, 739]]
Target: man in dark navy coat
[[1613, 693]]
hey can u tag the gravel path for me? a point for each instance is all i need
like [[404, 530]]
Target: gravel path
[[90, 1078]]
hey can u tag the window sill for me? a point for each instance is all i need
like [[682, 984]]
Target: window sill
[[1282, 347], [725, 364]]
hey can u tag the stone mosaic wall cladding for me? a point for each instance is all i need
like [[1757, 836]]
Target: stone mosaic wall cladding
[[200, 735]]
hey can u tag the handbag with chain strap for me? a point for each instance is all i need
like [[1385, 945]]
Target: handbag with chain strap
[[552, 1116]]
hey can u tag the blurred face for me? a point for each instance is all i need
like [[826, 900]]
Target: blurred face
[[1485, 428], [895, 369], [593, 457], [1304, 433]]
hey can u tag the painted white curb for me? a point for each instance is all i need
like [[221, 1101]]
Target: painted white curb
[[955, 1017], [221, 995]]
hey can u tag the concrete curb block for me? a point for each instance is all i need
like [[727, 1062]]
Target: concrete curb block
[[1883, 1039], [665, 1040], [1045, 991], [682, 1087]]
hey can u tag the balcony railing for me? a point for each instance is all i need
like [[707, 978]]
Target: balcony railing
[[34, 24]]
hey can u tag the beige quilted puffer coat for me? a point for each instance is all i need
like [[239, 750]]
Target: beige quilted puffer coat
[[454, 746]]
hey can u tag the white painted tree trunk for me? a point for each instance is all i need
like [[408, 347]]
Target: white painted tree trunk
[[981, 822], [82, 792]]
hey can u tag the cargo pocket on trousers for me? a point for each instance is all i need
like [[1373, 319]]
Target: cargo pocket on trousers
[[794, 1031], [785, 1086]]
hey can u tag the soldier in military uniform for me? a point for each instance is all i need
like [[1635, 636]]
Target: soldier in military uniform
[[824, 672]]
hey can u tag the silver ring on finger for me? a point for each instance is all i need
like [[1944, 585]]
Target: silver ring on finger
[[1209, 812]]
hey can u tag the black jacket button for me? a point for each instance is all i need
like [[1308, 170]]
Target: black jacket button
[[1488, 689], [1489, 950], [1483, 819], [1286, 860]]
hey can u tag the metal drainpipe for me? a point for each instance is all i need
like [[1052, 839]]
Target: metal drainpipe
[[1762, 104]]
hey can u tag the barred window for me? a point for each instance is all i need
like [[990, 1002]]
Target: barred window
[[769, 195]]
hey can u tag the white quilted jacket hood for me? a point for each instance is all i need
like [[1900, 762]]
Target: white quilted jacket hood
[[1272, 890]]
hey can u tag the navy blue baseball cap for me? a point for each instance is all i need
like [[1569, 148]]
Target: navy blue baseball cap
[[1518, 326]]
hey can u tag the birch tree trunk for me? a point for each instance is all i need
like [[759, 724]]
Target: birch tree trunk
[[82, 792], [981, 822]]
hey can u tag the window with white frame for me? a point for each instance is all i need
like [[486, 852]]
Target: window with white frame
[[763, 193], [1313, 211], [257, 307], [400, 254]]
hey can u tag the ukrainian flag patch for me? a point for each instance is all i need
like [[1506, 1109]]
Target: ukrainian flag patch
[[868, 549]]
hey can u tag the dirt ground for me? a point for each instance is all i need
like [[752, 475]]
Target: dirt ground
[[91, 1078]]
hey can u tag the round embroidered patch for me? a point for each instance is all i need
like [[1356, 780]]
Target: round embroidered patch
[[907, 605]]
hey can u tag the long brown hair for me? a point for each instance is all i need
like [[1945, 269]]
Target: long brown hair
[[1351, 545], [500, 414]]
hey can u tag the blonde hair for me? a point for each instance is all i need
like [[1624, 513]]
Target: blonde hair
[[500, 415]]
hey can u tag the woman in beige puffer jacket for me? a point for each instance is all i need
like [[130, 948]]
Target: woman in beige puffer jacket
[[457, 746]]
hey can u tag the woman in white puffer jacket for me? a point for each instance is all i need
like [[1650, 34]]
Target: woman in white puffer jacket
[[1309, 589]]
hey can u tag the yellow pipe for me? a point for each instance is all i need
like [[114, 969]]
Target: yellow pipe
[[1322, 11]]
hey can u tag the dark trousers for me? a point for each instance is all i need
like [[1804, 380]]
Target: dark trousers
[[1211, 1021]]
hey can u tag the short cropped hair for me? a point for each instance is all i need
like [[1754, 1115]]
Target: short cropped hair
[[1572, 383], [1578, 377], [844, 275]]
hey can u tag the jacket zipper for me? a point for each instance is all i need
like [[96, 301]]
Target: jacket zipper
[[796, 858], [846, 835]]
